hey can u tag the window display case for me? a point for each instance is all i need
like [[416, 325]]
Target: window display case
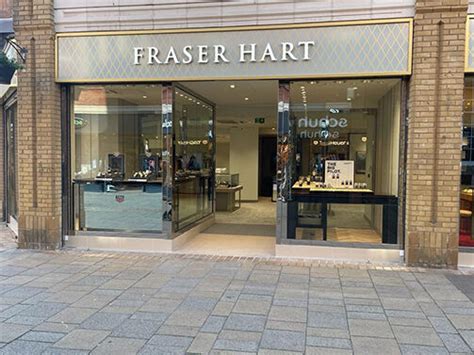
[[227, 180]]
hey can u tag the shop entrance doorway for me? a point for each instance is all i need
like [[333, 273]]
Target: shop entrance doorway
[[245, 157]]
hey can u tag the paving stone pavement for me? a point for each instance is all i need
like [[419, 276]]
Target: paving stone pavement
[[83, 302]]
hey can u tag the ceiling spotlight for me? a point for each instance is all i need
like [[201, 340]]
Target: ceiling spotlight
[[311, 82], [232, 86], [364, 139], [144, 96], [246, 99], [334, 110]]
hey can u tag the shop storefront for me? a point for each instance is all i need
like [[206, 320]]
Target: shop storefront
[[144, 117]]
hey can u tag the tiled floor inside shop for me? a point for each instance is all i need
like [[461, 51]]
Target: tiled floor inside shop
[[85, 302]]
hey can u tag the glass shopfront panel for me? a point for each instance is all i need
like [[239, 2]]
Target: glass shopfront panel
[[11, 163], [345, 161], [466, 235], [193, 191], [116, 145]]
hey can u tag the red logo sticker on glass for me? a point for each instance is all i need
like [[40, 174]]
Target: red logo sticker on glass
[[119, 198]]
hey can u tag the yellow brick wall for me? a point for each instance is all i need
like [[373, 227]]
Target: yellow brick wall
[[39, 128], [434, 133]]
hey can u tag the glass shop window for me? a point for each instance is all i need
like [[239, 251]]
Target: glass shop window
[[116, 145], [466, 236], [346, 158]]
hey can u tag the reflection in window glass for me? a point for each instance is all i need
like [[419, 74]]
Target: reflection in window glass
[[466, 236], [116, 145], [347, 147], [194, 159], [12, 168]]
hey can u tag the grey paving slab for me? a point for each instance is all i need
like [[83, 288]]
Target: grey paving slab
[[82, 339], [327, 320], [171, 341], [136, 328], [454, 343], [462, 321], [26, 320], [73, 315], [237, 341], [56, 327], [213, 324], [190, 318], [328, 333], [374, 346], [365, 315], [283, 340], [112, 345], [202, 343], [9, 332], [103, 321], [417, 336], [253, 305], [468, 336], [442, 325], [179, 330], [289, 314], [285, 325], [311, 350], [245, 322], [370, 328], [335, 343], [47, 337], [422, 350], [24, 347]]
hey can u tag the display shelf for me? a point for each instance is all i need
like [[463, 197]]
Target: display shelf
[[312, 188]]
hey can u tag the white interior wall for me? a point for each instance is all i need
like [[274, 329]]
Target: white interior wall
[[243, 160], [222, 155]]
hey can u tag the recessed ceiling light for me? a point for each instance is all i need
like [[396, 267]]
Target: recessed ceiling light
[[144, 96], [312, 82], [349, 99], [246, 99], [232, 86]]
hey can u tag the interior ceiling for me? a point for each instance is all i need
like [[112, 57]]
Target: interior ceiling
[[366, 92], [238, 103], [145, 95]]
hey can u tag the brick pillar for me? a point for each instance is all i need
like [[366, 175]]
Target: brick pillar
[[434, 133], [38, 128]]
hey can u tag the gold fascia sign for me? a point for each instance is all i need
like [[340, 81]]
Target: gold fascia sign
[[204, 54], [343, 49]]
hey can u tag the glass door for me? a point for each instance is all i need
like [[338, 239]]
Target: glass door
[[194, 158]]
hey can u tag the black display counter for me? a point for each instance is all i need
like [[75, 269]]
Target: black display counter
[[332, 196]]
